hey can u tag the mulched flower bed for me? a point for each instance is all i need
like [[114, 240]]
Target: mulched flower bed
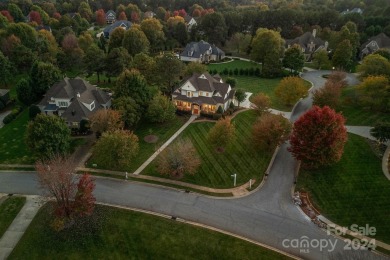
[[151, 139]]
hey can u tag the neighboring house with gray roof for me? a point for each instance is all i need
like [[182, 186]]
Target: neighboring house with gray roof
[[203, 93], [110, 17], [190, 21], [353, 11], [125, 25], [4, 96], [74, 100], [309, 43], [202, 52], [380, 41]]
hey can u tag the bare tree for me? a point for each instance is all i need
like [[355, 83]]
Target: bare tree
[[56, 177], [179, 158], [73, 198]]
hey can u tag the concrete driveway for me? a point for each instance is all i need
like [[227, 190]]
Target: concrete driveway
[[2, 115]]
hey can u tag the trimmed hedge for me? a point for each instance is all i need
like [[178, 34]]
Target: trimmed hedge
[[15, 112]]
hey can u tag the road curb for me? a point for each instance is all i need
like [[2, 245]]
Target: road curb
[[197, 224]]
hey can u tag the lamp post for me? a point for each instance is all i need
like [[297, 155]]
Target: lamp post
[[235, 178]]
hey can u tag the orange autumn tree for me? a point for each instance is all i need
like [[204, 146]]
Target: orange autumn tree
[[222, 134], [318, 137], [178, 159]]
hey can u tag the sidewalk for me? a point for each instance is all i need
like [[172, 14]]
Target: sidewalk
[[17, 228], [165, 145], [237, 191]]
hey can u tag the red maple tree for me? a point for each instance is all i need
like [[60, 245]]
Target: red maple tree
[[135, 17], [100, 17], [35, 17], [57, 15], [318, 137], [84, 201], [7, 15], [182, 12], [122, 16]]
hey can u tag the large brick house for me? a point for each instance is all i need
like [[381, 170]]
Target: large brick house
[[74, 100], [203, 93], [309, 43], [202, 52]]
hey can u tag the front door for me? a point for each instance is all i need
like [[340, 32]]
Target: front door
[[195, 110]]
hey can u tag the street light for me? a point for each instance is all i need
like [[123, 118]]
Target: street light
[[235, 178]]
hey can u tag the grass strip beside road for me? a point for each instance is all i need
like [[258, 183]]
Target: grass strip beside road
[[352, 191], [120, 234], [8, 211]]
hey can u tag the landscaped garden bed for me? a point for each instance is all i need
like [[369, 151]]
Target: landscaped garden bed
[[353, 191], [216, 168], [146, 148], [120, 234]]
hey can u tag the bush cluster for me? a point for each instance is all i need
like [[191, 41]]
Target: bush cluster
[[15, 112]]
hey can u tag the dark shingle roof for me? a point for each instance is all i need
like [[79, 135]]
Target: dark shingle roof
[[198, 48], [381, 39], [78, 91], [121, 23], [205, 82], [304, 40]]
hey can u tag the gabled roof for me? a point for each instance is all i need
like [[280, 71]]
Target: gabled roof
[[78, 91], [381, 39], [110, 12], [205, 82], [120, 23], [187, 18], [305, 39], [199, 48]]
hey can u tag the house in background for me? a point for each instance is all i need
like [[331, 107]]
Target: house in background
[[74, 100], [380, 41], [110, 17], [353, 11], [309, 43], [202, 52], [190, 21], [4, 96], [125, 25], [43, 27], [203, 93], [149, 14]]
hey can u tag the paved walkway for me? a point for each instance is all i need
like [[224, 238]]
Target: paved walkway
[[173, 137], [2, 116], [237, 191], [363, 131], [17, 228], [283, 113], [385, 163]]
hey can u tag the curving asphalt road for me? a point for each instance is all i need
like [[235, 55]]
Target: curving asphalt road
[[267, 216]]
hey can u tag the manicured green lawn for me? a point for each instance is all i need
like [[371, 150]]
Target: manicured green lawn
[[162, 131], [358, 115], [353, 191], [12, 146], [216, 168], [131, 235], [8, 211], [239, 64], [252, 84], [103, 81]]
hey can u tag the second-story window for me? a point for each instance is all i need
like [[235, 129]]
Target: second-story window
[[62, 104], [189, 94], [200, 93]]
